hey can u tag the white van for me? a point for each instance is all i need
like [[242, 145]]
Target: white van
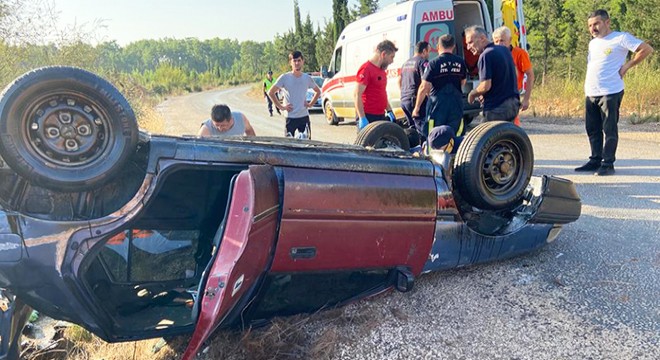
[[406, 23]]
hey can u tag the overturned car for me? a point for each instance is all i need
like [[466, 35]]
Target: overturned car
[[136, 236]]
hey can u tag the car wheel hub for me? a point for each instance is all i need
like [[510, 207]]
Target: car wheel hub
[[67, 131], [500, 169]]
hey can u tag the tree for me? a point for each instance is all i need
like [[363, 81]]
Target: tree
[[308, 45], [296, 18], [325, 44], [364, 8], [340, 17]]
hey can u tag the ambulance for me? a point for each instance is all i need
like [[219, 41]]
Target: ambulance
[[406, 23]]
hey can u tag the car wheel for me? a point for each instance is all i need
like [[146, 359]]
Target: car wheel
[[65, 128], [493, 166], [383, 135], [330, 115]]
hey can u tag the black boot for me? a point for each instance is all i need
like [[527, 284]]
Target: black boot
[[589, 166], [605, 170]]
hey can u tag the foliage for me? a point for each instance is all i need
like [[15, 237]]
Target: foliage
[[557, 34], [364, 8], [340, 16]]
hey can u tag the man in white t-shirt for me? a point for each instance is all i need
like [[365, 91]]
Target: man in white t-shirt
[[295, 84], [603, 87]]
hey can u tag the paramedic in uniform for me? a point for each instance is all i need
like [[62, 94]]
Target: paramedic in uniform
[[444, 79], [371, 101], [409, 81], [603, 87]]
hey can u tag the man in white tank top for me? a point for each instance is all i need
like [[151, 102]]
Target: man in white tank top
[[603, 87], [224, 122]]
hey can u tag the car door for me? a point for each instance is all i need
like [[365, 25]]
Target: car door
[[244, 252], [345, 235]]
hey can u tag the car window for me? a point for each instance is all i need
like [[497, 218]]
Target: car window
[[146, 277], [337, 58], [138, 255], [318, 80]]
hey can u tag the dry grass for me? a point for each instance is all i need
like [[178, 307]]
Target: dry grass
[[76, 343], [149, 119], [565, 98], [256, 91], [314, 336]]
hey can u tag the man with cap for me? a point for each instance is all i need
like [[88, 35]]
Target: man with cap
[[443, 138], [268, 83]]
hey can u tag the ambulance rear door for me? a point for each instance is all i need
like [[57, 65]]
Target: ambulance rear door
[[510, 14], [431, 20]]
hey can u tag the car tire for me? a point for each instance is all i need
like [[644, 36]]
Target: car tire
[[493, 166], [65, 128], [329, 113], [383, 135]]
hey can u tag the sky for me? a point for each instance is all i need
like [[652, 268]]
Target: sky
[[129, 20]]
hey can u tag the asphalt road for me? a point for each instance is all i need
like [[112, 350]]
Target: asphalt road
[[594, 293]]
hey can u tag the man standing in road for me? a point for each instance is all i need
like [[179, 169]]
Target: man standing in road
[[268, 83], [603, 87], [371, 101], [502, 36], [444, 80], [295, 84], [498, 88], [224, 122], [409, 81]]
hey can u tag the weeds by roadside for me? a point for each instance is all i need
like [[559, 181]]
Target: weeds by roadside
[[559, 97]]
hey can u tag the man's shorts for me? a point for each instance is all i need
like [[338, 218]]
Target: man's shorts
[[301, 124], [506, 111]]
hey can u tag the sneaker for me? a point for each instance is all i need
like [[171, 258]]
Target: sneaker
[[301, 135], [590, 166], [605, 170]]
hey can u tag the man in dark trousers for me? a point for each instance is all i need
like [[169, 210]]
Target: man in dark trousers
[[268, 83], [409, 81], [443, 79], [498, 84], [603, 86], [371, 103]]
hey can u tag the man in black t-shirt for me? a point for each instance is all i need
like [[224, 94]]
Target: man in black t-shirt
[[409, 81], [498, 84], [442, 82]]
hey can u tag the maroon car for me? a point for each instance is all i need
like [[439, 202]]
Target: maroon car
[[136, 236]]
